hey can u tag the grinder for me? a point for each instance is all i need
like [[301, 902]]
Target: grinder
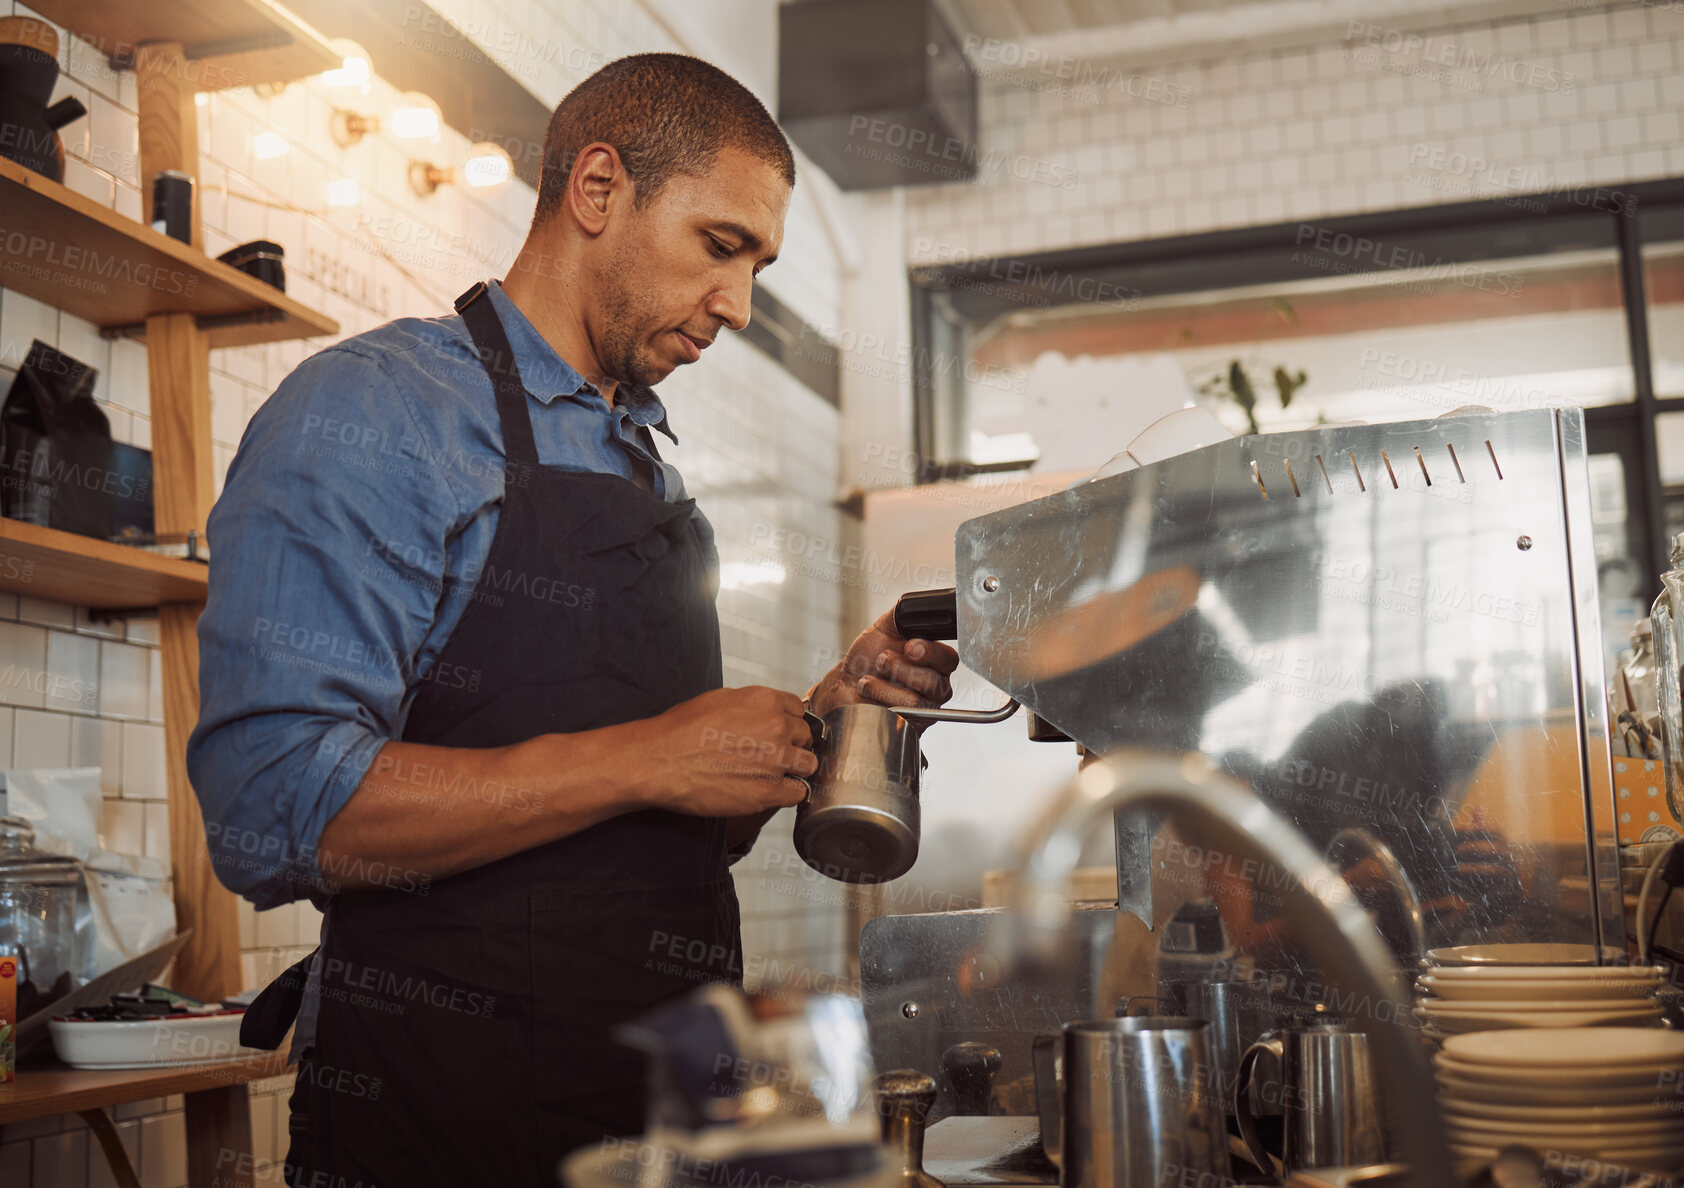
[[859, 823]]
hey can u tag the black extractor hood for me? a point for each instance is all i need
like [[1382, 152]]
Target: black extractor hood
[[877, 92]]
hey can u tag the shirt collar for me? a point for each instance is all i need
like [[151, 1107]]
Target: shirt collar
[[548, 376]]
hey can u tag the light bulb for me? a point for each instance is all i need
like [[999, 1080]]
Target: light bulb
[[487, 167], [266, 146], [354, 70], [416, 117]]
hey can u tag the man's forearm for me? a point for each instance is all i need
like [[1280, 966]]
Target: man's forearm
[[431, 812]]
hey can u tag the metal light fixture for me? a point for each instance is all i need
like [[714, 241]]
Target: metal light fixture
[[414, 118], [349, 127], [488, 167]]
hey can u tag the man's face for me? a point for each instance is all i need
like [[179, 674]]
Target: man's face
[[683, 267]]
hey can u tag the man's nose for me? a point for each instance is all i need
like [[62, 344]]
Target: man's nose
[[732, 303]]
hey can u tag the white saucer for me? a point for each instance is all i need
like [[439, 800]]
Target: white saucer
[[1588, 1047], [1533, 973], [1455, 1089], [1496, 1111], [1521, 954], [1475, 990], [1656, 1132]]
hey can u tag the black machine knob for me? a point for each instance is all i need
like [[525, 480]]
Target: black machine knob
[[969, 1068], [928, 614], [904, 1098]]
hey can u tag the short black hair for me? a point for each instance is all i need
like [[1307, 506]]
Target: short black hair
[[664, 114]]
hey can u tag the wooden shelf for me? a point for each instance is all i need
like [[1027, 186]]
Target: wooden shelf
[[228, 43], [86, 258], [43, 1090], [64, 567]]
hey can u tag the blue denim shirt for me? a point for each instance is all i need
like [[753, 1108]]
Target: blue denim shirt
[[355, 519]]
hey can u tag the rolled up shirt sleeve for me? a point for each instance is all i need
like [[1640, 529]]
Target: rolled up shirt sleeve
[[331, 543]]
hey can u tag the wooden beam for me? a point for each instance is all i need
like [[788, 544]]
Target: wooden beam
[[219, 1138], [111, 1144], [178, 368], [169, 124], [208, 966], [178, 371]]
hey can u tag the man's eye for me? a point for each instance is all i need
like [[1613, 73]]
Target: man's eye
[[719, 249]]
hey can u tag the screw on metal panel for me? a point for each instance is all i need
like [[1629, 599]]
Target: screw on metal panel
[[909, 1009], [1523, 543], [991, 584]]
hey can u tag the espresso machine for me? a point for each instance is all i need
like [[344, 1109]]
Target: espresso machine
[[1388, 633]]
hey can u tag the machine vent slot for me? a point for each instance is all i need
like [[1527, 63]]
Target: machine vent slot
[[1257, 477], [1457, 462], [1324, 476], [1293, 479], [1361, 486], [1493, 452], [1390, 473], [1423, 463]]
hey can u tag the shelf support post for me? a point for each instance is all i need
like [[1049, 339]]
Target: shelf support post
[[178, 364]]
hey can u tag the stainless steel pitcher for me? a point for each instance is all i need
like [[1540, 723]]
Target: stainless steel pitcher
[[859, 823], [1329, 1099], [1126, 1102]]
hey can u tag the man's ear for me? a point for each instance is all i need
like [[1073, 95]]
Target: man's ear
[[597, 182]]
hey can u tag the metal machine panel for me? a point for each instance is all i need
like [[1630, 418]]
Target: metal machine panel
[[1389, 631], [929, 982]]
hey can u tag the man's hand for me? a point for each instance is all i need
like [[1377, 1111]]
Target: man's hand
[[729, 753], [883, 669]]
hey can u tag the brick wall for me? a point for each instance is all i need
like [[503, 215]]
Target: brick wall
[[1371, 122]]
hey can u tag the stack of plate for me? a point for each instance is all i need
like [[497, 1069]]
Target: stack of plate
[[1456, 999], [1609, 1093]]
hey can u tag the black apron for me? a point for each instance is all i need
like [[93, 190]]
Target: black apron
[[487, 1006]]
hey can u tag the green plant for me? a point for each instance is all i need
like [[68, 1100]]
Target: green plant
[[1234, 384]]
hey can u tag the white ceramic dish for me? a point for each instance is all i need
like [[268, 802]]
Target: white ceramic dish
[[1533, 973], [1456, 1088], [1658, 1132], [1443, 1029], [1658, 1076], [1521, 954], [151, 1043], [1499, 1006], [1597, 1048], [1560, 990], [1652, 1158], [1495, 1111], [1523, 1017]]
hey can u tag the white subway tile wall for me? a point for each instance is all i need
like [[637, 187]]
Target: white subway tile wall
[[758, 450], [1526, 105]]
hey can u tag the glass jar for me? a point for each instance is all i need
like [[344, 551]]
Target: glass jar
[[38, 916]]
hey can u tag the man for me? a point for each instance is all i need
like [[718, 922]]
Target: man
[[460, 664]]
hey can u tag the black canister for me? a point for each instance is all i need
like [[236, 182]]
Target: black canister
[[172, 204]]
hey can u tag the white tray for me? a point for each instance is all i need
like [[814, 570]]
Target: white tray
[[175, 1041]]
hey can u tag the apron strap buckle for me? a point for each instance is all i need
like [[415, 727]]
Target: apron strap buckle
[[478, 290]]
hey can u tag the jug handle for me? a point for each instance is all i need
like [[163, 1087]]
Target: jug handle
[[920, 714], [821, 736], [1270, 1043], [1048, 1099]]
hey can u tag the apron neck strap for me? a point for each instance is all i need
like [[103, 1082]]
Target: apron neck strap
[[491, 343]]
